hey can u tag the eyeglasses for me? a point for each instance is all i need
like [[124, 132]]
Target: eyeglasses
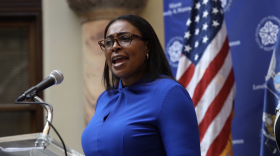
[[123, 39]]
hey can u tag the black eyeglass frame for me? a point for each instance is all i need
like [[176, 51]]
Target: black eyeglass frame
[[102, 46]]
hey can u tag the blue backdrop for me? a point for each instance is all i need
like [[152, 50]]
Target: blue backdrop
[[252, 28]]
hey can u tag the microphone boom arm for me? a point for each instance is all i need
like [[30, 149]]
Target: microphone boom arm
[[41, 141], [49, 110]]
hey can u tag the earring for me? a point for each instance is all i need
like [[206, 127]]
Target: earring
[[147, 56]]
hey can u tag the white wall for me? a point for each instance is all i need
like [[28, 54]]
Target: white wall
[[62, 50]]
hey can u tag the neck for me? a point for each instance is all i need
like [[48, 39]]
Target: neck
[[129, 81]]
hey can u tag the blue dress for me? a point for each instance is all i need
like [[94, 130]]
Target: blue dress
[[151, 119]]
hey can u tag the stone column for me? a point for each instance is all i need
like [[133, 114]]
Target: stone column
[[95, 15]]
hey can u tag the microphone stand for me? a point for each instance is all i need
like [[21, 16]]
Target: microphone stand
[[41, 141]]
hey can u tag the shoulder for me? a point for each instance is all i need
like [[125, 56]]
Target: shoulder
[[172, 92], [175, 99], [108, 94], [102, 95], [165, 88], [168, 84], [164, 80], [105, 96]]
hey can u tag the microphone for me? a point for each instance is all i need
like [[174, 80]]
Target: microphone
[[55, 78]]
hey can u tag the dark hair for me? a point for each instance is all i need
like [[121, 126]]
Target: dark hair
[[157, 64]]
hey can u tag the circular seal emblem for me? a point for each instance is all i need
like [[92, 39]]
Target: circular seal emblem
[[226, 4], [173, 50], [266, 32]]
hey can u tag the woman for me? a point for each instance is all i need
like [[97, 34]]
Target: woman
[[143, 111]]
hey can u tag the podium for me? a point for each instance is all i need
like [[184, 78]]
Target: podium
[[36, 144]]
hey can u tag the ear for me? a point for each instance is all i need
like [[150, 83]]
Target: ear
[[147, 47]]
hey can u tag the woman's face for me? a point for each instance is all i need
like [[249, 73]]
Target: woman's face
[[129, 62]]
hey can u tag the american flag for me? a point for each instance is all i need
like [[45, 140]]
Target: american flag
[[205, 70]]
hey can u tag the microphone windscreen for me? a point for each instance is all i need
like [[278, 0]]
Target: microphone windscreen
[[57, 75]]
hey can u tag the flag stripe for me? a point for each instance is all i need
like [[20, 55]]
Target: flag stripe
[[186, 77], [221, 139], [209, 54], [183, 65], [217, 124], [210, 72], [213, 89], [216, 105]]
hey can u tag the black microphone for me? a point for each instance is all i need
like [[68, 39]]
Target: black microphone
[[55, 77]]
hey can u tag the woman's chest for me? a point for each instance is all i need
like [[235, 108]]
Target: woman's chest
[[125, 127]]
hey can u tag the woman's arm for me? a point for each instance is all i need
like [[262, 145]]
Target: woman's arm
[[177, 123]]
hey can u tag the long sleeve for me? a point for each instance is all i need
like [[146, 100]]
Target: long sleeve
[[152, 119], [177, 123]]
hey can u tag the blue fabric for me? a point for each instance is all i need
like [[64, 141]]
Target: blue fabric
[[152, 119]]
